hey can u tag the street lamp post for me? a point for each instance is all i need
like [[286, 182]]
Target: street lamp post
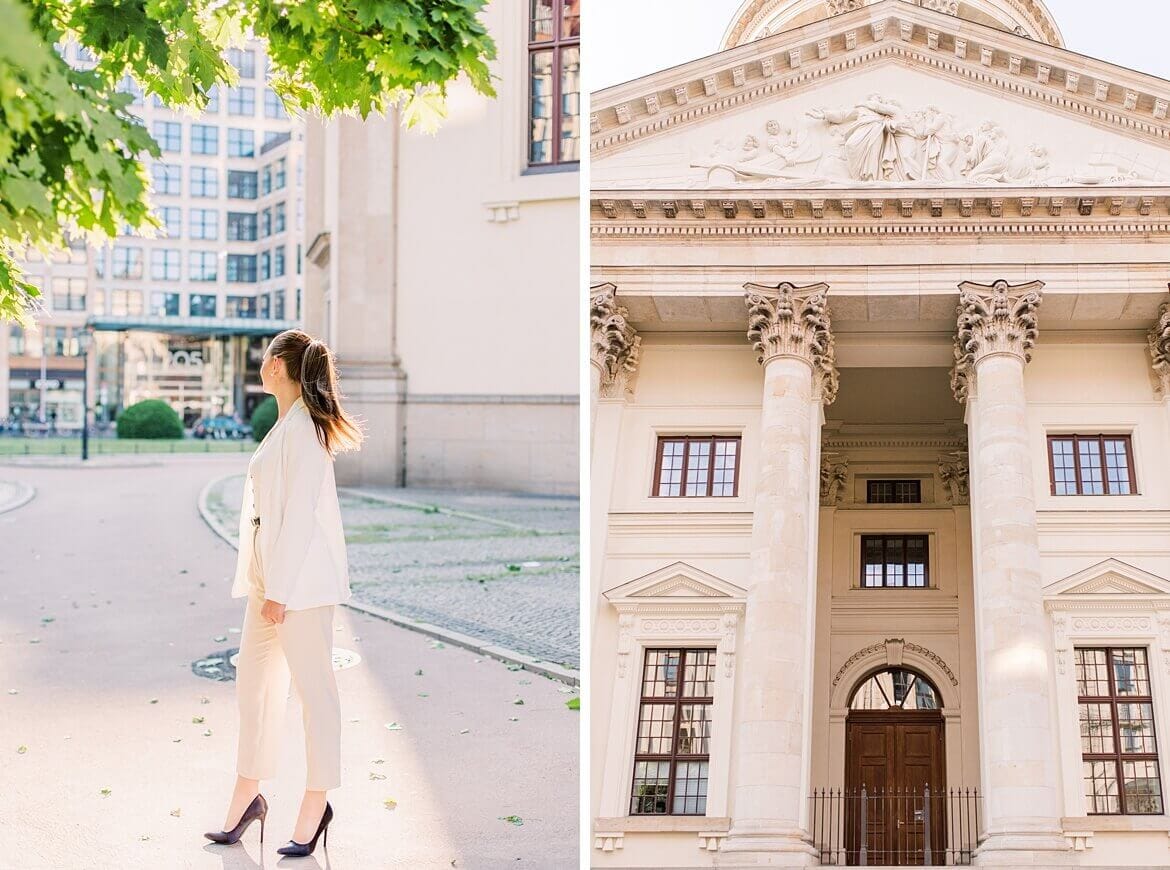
[[83, 341]]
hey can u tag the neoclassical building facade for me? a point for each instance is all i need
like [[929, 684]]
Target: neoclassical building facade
[[880, 458]]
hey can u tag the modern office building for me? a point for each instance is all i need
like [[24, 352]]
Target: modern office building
[[444, 270], [880, 469], [183, 316]]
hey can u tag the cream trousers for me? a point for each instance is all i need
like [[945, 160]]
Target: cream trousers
[[300, 648]]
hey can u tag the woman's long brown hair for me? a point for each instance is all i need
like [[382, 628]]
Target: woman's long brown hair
[[309, 361]]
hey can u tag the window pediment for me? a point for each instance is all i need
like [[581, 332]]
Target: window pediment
[[1111, 577], [677, 582]]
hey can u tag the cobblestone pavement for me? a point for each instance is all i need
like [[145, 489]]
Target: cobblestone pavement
[[113, 754], [498, 567]]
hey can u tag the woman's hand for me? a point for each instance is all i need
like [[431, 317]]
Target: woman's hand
[[272, 611]]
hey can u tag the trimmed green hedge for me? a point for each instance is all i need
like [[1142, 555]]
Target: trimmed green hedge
[[264, 418], [150, 418]]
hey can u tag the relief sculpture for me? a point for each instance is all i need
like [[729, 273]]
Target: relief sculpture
[[878, 141]]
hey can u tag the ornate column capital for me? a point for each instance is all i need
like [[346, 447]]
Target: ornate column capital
[[1160, 350], [787, 320], [614, 345], [998, 318]]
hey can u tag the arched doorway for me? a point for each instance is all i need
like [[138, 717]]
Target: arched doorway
[[894, 751]]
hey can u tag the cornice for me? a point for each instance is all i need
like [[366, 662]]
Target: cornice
[[1083, 210], [1079, 86]]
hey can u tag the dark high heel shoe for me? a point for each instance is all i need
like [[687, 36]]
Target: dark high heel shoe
[[300, 850], [258, 809]]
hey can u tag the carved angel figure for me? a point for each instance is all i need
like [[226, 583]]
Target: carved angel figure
[[870, 133]]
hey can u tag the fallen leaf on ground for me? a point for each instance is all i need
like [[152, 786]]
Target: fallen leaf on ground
[[176, 813], [105, 792], [390, 803], [154, 700], [220, 638], [379, 761], [512, 820], [196, 720], [573, 703], [205, 700], [21, 750], [418, 673], [393, 726], [518, 701], [207, 733], [377, 776], [515, 667], [144, 837], [176, 740], [438, 644], [513, 718], [13, 692], [424, 694]]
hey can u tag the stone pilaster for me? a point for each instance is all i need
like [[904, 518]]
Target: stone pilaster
[[1020, 761], [790, 329]]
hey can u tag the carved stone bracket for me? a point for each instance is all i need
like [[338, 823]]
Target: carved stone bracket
[[625, 635], [615, 346], [787, 320], [727, 643], [993, 318], [955, 476], [834, 474], [1160, 350]]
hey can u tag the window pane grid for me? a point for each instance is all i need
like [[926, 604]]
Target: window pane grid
[[898, 561], [554, 92], [1118, 743], [674, 733], [696, 466], [1091, 464]]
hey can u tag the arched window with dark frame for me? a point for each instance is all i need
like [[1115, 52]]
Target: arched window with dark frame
[[895, 689], [554, 82]]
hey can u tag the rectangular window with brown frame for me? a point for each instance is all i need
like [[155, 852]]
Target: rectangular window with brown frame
[[1091, 465], [896, 561], [690, 465], [673, 748], [893, 491], [1119, 751], [554, 82]]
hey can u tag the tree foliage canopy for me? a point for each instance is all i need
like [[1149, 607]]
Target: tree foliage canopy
[[71, 150]]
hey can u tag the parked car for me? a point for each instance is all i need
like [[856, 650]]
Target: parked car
[[222, 426]]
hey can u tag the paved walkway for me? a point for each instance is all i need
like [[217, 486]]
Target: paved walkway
[[111, 586], [504, 569]]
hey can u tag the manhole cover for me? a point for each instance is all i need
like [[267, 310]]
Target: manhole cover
[[221, 664]]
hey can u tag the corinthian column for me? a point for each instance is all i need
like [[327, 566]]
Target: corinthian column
[[789, 327], [614, 348], [1020, 760]]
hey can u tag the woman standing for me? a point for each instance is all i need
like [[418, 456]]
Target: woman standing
[[292, 566]]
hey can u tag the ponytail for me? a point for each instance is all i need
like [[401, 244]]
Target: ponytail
[[310, 361]]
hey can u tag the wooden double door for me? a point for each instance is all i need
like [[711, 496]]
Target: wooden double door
[[894, 755]]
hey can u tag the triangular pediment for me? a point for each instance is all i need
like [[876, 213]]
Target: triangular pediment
[[676, 581], [1111, 577], [918, 101]]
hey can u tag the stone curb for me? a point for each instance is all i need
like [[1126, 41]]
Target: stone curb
[[403, 502], [455, 638], [24, 494]]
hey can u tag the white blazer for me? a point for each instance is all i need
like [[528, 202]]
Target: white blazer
[[300, 546]]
